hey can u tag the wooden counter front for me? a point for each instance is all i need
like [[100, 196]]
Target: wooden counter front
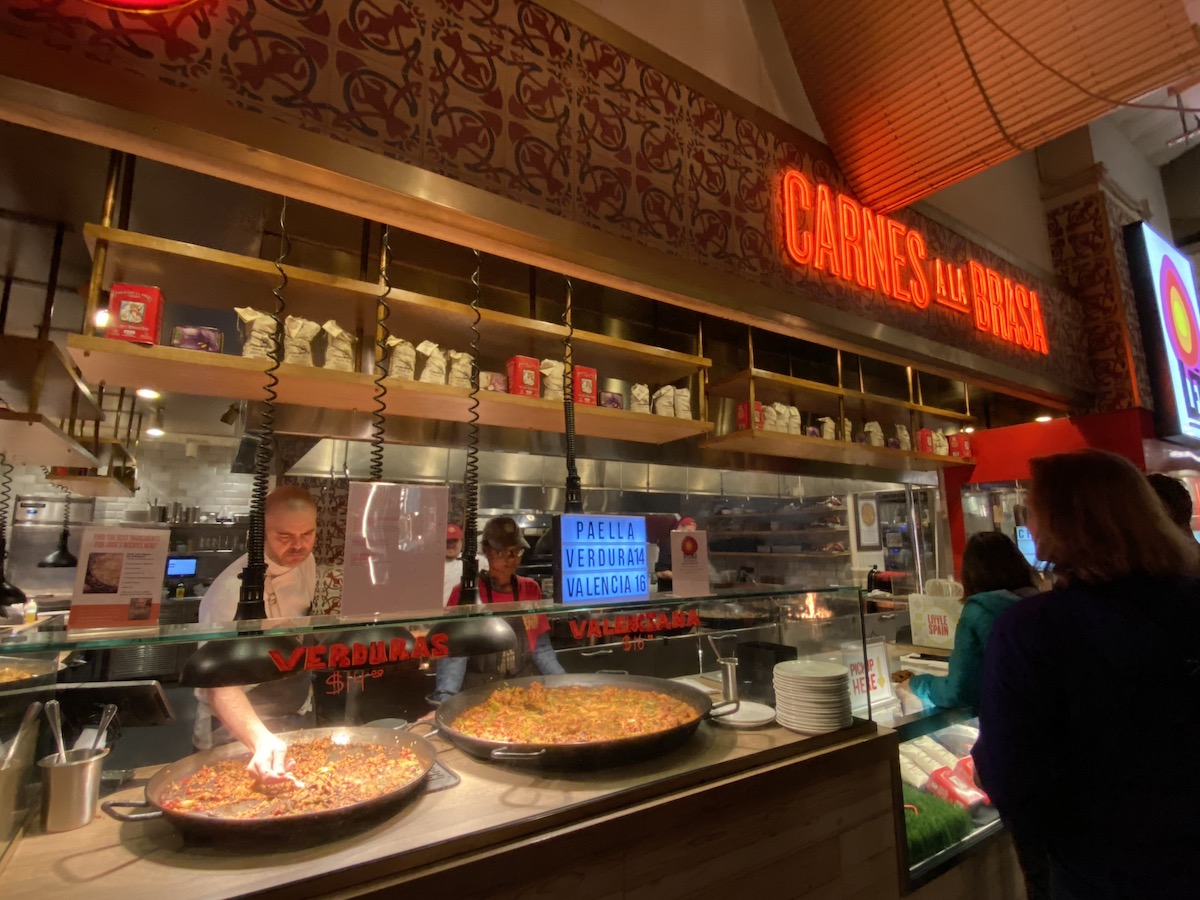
[[742, 810]]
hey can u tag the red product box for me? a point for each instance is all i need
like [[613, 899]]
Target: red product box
[[524, 376], [960, 445], [743, 416], [925, 440], [134, 313], [583, 382]]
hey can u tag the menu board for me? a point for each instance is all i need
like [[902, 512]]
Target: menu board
[[395, 548], [600, 559], [119, 579], [870, 677]]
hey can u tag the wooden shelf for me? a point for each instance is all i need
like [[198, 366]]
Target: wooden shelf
[[170, 369], [62, 395], [772, 385], [93, 485], [202, 276], [33, 440], [795, 446], [839, 555], [515, 411]]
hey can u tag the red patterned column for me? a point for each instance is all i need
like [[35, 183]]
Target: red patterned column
[[1085, 224]]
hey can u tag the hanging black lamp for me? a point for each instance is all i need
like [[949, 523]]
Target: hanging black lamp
[[61, 558]]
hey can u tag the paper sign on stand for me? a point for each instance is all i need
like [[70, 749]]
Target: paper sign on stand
[[875, 674], [395, 548], [119, 580], [689, 564]]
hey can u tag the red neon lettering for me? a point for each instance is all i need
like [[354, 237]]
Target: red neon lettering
[[420, 648], [339, 656], [398, 650], [290, 663], [833, 233], [622, 624], [919, 283], [314, 657], [895, 236], [439, 644], [662, 622], [850, 220], [377, 653], [1025, 331], [594, 629], [358, 654], [995, 293], [693, 618], [874, 232], [578, 629], [1039, 330], [979, 298], [826, 256], [797, 195]]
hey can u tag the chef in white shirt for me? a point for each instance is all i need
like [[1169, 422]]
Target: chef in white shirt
[[252, 714]]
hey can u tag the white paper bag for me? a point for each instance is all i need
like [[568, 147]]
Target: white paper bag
[[459, 374], [664, 401], [874, 434], [298, 337], [793, 420], [847, 430], [339, 347], [683, 403], [828, 429], [781, 416], [257, 329], [941, 446], [769, 418], [639, 398], [552, 379], [433, 370], [902, 437], [402, 363]]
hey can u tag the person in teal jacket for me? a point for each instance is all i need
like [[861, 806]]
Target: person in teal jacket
[[995, 576]]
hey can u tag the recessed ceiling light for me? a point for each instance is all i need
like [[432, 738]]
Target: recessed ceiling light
[[1043, 418], [148, 393]]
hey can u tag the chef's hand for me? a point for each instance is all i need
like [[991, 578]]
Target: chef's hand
[[270, 763]]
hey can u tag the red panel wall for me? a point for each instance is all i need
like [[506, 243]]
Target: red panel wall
[[1003, 454]]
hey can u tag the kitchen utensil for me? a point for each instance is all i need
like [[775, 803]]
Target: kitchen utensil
[[31, 713], [748, 715], [70, 788], [586, 754], [110, 710], [206, 826], [729, 678], [54, 714]]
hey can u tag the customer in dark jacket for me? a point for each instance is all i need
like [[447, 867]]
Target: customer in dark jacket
[[1090, 713], [995, 576]]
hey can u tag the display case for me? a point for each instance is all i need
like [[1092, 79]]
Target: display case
[[945, 813], [370, 672]]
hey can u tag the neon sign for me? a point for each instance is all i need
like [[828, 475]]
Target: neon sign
[[144, 7], [834, 234]]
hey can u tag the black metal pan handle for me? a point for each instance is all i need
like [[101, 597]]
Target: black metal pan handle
[[720, 709], [433, 729], [612, 671], [514, 755], [112, 806]]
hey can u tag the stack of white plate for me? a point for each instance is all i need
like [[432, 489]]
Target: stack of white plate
[[812, 696]]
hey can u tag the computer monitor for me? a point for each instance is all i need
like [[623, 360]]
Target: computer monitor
[[181, 567]]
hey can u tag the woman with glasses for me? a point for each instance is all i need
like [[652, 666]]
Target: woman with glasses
[[503, 547]]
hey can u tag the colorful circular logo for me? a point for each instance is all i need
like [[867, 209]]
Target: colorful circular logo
[[1179, 314], [689, 545]]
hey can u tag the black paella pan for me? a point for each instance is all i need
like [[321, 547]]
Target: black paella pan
[[587, 754], [200, 824]]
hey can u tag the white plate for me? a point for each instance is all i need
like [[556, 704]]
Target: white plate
[[810, 729], [838, 721], [810, 670], [748, 715]]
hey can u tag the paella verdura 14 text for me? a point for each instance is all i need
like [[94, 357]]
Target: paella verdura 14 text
[[570, 715], [327, 776]]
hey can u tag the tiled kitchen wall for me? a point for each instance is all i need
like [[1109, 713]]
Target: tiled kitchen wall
[[166, 474]]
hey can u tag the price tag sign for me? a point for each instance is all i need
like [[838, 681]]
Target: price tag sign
[[871, 674], [600, 559]]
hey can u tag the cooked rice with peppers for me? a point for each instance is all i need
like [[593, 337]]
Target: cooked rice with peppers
[[326, 776], [571, 715]]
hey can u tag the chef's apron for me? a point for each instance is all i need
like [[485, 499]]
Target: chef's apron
[[486, 668]]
